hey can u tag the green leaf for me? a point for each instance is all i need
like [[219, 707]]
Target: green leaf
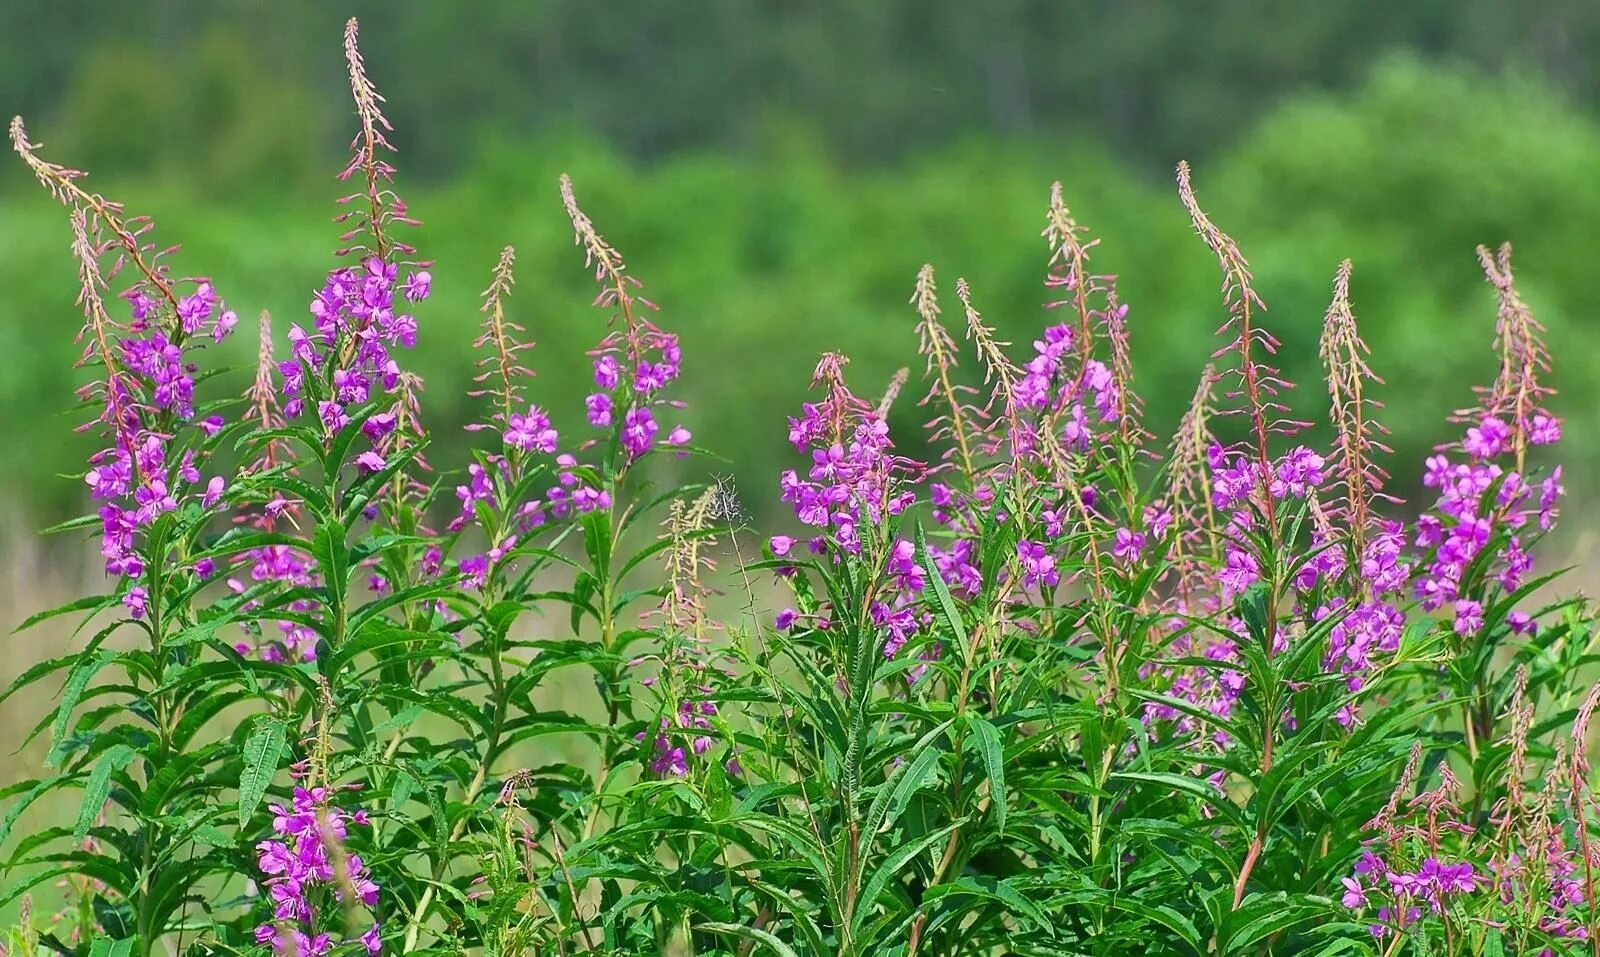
[[38, 671], [261, 753], [749, 933], [380, 634], [105, 947], [34, 791], [947, 605], [896, 792], [1262, 915], [115, 919], [986, 738], [333, 561], [985, 886], [93, 603], [1194, 787], [77, 681], [98, 787], [1165, 916], [891, 866]]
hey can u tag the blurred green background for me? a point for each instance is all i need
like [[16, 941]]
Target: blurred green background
[[776, 172]]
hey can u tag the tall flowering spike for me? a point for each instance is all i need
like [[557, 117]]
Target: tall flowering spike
[[59, 180], [955, 424], [1189, 485], [1580, 732], [370, 231], [840, 406], [1520, 711], [1069, 265], [1001, 376], [127, 234], [501, 366], [1385, 819], [1353, 413], [686, 558], [408, 428], [261, 398], [633, 364], [891, 392], [145, 392], [1092, 298], [358, 315], [610, 272], [1517, 396], [1258, 384], [98, 336], [1129, 403]]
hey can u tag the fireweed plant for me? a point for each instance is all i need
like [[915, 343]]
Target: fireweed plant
[[1064, 688]]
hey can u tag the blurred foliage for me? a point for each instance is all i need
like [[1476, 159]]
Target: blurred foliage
[[763, 259], [1157, 80]]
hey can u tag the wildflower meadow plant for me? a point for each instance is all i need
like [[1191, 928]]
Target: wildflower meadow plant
[[1063, 687]]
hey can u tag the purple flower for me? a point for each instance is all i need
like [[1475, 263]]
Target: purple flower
[[1355, 897], [137, 601], [380, 425], [785, 619], [332, 415], [1297, 473], [1129, 545], [531, 432], [475, 570], [1240, 571], [1037, 565], [226, 320], [369, 462], [781, 544], [1487, 439], [1544, 430], [649, 378], [638, 431], [300, 859], [669, 760], [214, 490], [417, 287], [599, 407], [1469, 618]]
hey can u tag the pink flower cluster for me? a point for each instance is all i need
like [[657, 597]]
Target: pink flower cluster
[[1482, 504], [854, 477], [630, 371], [669, 758], [1434, 883], [306, 858], [138, 479], [356, 323]]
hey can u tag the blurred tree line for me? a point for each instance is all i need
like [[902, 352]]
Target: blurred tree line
[[877, 81], [776, 173]]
